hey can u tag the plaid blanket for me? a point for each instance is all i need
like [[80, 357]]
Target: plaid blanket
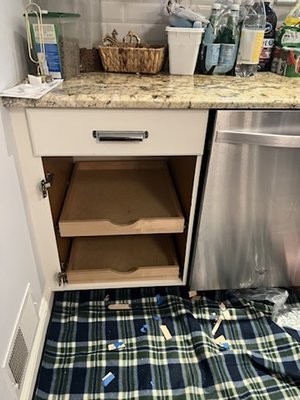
[[262, 361]]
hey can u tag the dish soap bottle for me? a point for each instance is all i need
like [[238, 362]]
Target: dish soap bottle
[[251, 41], [269, 38]]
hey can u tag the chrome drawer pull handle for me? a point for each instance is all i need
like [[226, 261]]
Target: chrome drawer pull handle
[[258, 139], [120, 136]]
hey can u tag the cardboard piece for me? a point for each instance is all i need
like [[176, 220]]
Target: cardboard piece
[[119, 306], [221, 341], [217, 325], [116, 346], [166, 332]]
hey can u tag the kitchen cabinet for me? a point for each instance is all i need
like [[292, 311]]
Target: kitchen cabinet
[[110, 193]]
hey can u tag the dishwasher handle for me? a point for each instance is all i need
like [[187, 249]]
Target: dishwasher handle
[[258, 139], [120, 136]]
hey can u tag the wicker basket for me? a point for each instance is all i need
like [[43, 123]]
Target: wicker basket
[[144, 59]]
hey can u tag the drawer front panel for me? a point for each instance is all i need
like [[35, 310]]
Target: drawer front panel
[[61, 132]]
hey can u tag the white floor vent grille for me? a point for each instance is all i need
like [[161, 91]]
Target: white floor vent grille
[[18, 358], [21, 343]]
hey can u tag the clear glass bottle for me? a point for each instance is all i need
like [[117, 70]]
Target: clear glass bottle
[[251, 41], [209, 52], [228, 36]]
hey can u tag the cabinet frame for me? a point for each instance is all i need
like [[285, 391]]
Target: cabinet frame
[[31, 172]]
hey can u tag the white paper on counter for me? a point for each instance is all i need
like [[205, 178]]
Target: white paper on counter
[[27, 91]]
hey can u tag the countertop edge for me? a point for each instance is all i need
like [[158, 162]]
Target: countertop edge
[[125, 91]]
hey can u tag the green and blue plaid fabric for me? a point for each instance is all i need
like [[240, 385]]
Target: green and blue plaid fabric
[[262, 362]]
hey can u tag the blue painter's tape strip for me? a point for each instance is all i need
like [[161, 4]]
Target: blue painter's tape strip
[[107, 379], [159, 300], [226, 345], [145, 328]]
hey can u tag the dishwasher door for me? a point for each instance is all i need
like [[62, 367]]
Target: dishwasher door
[[248, 232]]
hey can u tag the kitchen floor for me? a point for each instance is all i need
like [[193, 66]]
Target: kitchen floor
[[167, 343]]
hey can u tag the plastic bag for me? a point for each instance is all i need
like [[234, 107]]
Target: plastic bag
[[289, 318], [182, 15], [289, 36], [293, 17], [283, 315]]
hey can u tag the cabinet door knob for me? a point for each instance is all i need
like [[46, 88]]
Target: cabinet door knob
[[120, 136]]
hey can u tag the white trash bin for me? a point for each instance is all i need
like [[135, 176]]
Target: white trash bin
[[184, 44]]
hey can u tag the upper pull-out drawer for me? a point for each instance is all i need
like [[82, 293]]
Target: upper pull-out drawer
[[81, 132], [120, 198]]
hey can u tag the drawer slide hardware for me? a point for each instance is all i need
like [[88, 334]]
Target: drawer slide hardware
[[46, 184], [62, 277], [120, 136]]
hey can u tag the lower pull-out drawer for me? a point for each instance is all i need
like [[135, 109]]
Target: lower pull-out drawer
[[115, 258], [121, 198]]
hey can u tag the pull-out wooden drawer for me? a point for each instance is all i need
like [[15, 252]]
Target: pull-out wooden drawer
[[114, 258], [121, 198], [67, 132]]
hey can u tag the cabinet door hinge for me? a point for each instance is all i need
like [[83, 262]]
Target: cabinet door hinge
[[46, 184], [62, 277], [57, 231]]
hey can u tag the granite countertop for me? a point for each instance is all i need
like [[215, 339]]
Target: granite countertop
[[110, 90]]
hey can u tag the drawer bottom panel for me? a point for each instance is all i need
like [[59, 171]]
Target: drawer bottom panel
[[111, 258]]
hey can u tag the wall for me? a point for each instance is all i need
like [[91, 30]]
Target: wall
[[144, 17], [90, 21], [17, 263]]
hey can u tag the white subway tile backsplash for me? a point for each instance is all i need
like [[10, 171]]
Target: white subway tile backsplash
[[204, 10], [122, 29], [90, 34], [281, 12], [90, 11], [96, 32], [143, 13], [202, 2], [112, 11], [144, 17], [154, 34], [71, 6], [149, 33]]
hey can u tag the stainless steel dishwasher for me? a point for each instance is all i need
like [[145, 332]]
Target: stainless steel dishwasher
[[248, 232]]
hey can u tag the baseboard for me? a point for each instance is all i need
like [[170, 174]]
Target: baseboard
[[37, 348]]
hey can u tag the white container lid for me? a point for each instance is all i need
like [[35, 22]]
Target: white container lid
[[184, 30]]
